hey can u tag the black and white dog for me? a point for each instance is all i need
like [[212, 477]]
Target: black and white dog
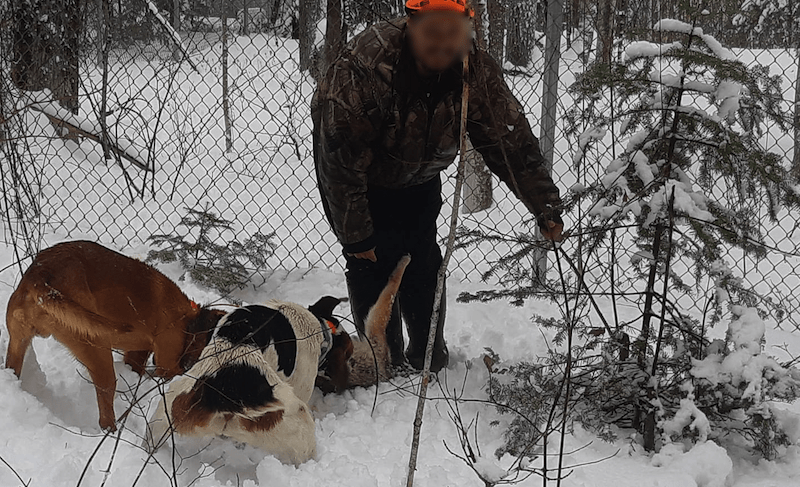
[[253, 381]]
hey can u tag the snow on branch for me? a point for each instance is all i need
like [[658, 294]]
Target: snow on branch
[[172, 32], [89, 129], [673, 25], [640, 49], [680, 27]]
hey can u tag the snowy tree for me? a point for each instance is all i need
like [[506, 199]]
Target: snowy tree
[[769, 23], [693, 182], [692, 175]]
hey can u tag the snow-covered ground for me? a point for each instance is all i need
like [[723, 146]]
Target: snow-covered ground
[[49, 433]]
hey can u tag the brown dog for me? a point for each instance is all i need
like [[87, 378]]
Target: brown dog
[[94, 300]]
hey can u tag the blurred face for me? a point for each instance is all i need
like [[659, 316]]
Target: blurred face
[[439, 39]]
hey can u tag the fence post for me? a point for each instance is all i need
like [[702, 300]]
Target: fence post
[[547, 134], [796, 158]]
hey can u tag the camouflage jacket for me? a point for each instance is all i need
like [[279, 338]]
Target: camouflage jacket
[[377, 123]]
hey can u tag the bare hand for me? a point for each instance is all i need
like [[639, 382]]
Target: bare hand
[[553, 231], [368, 255]]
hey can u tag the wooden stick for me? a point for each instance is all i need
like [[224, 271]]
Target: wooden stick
[[451, 237]]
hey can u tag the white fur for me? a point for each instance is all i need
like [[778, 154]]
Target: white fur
[[292, 440], [309, 341]]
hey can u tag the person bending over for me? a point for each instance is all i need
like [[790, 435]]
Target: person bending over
[[386, 121]]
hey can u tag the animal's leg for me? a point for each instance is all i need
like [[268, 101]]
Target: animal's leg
[[137, 359], [100, 364], [19, 339], [159, 424]]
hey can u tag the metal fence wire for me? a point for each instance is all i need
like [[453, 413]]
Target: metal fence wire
[[119, 115]]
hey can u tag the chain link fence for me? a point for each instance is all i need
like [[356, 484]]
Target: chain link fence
[[120, 115]]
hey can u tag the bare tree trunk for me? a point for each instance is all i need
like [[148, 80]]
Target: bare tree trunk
[[605, 31], [104, 45], [45, 48], [225, 94], [275, 13], [796, 159], [572, 15], [45, 43], [479, 6], [549, 118], [177, 53], [497, 28], [65, 83], [334, 33], [29, 47], [521, 34], [245, 19], [307, 32], [552, 63], [176, 15], [478, 180]]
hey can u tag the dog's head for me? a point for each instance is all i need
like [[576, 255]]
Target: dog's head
[[335, 366], [198, 333]]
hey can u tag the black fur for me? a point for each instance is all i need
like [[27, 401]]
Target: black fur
[[234, 388], [323, 309], [259, 326]]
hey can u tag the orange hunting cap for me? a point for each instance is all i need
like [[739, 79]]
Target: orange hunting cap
[[421, 6]]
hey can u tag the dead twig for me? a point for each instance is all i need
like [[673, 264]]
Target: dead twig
[[426, 371]]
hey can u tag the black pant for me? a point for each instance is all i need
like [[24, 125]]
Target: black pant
[[404, 221]]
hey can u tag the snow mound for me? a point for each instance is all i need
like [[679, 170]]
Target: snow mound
[[708, 464]]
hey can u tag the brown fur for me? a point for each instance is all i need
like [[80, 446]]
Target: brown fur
[[186, 417], [351, 363], [265, 422], [94, 300]]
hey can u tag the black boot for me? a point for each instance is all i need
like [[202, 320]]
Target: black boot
[[418, 321]]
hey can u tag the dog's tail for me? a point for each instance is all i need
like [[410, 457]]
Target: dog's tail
[[381, 311], [75, 317]]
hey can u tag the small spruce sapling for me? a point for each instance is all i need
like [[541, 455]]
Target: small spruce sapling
[[222, 267]]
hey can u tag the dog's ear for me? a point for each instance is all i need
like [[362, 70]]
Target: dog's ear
[[325, 306]]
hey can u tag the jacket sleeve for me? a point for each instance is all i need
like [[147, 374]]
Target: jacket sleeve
[[498, 129], [344, 130]]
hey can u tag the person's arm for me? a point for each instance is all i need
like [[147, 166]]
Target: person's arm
[[499, 130], [344, 118]]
